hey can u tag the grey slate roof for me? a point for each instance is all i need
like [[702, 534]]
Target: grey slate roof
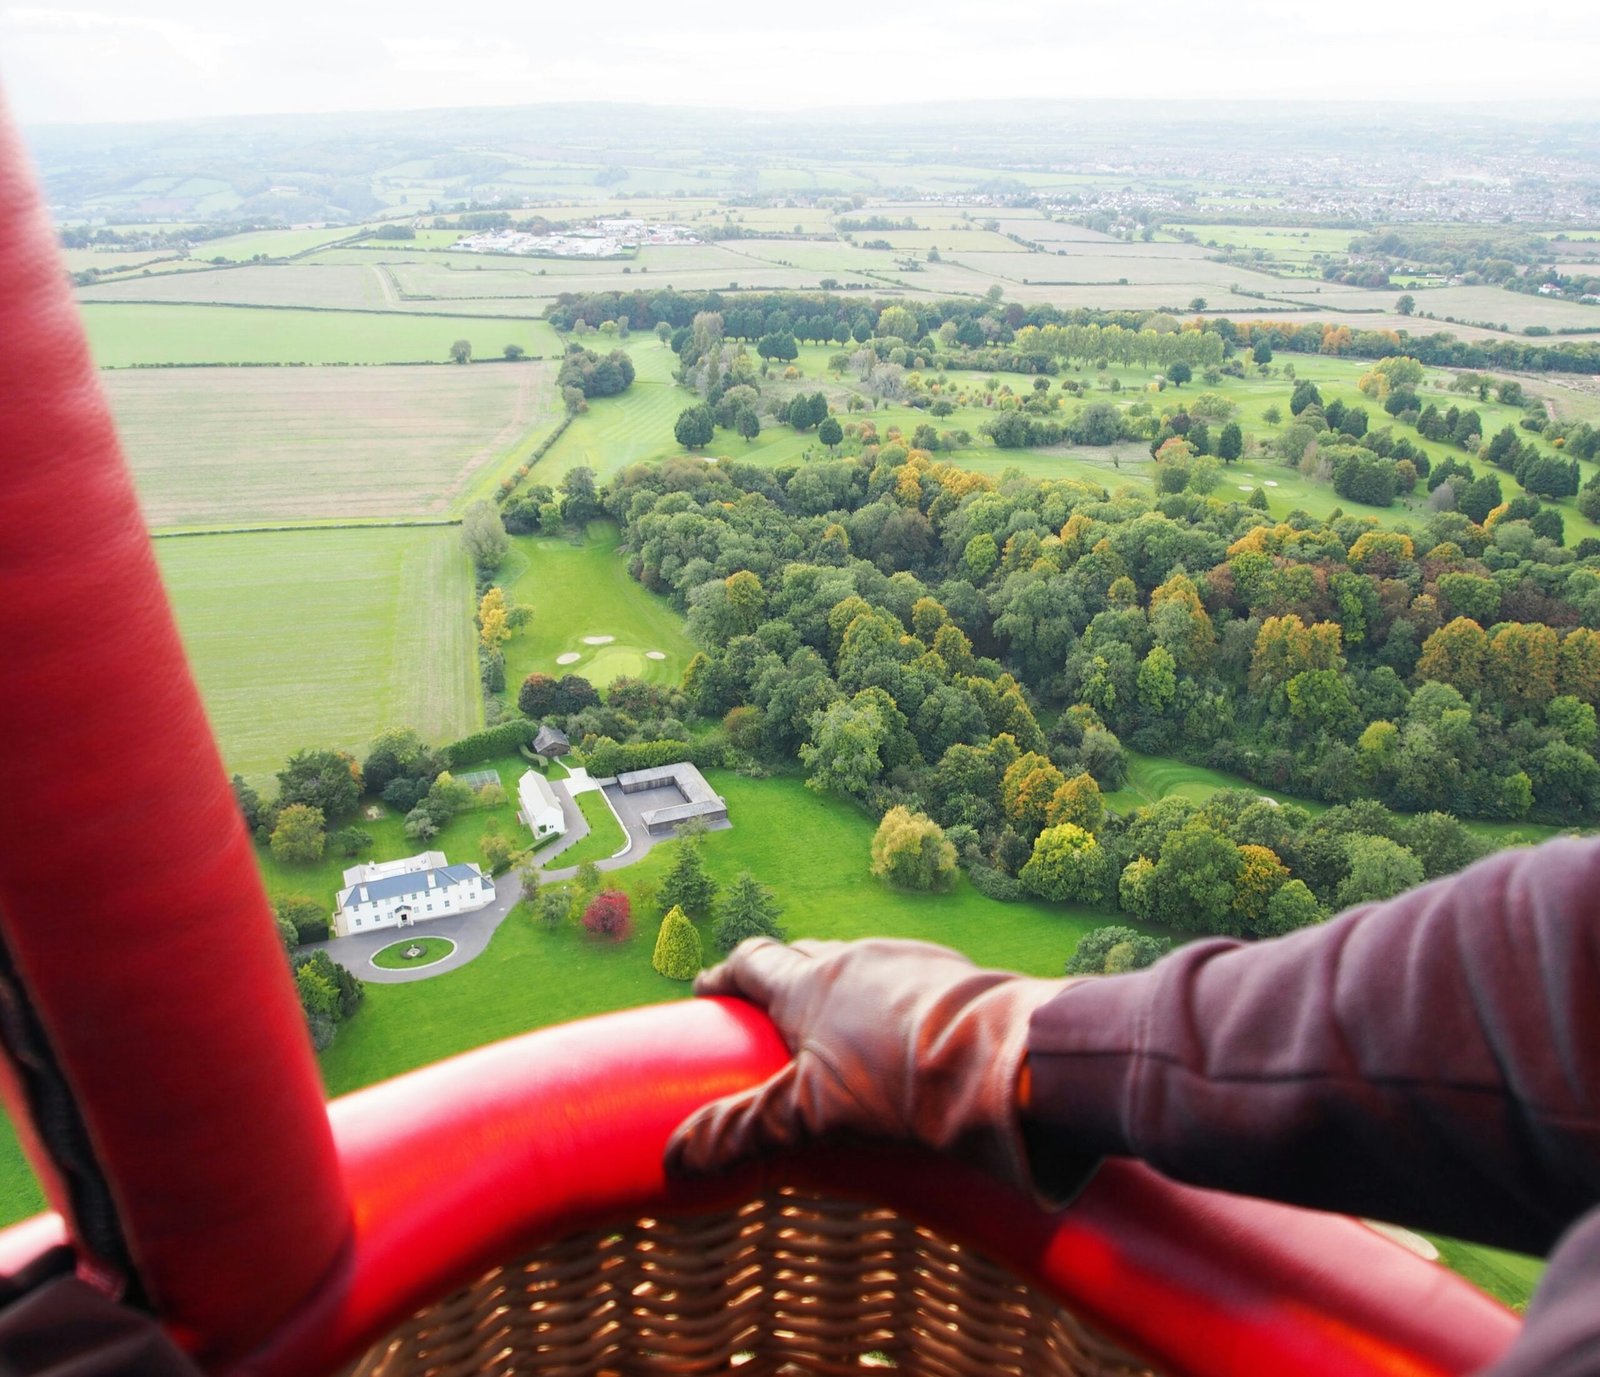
[[399, 886], [551, 741]]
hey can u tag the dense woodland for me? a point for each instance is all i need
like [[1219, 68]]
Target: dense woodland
[[977, 651]]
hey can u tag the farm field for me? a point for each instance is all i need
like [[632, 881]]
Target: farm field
[[215, 446], [133, 336], [325, 637], [582, 589], [292, 284], [241, 248]]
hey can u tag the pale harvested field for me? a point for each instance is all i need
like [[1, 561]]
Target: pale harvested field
[[1496, 305], [219, 446], [294, 284]]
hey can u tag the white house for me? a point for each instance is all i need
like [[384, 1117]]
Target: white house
[[392, 894], [540, 808]]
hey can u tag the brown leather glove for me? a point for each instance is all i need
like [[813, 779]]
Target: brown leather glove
[[892, 1040]]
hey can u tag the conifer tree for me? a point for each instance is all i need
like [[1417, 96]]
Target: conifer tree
[[677, 955]]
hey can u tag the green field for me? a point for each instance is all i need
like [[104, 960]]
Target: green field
[[132, 336], [1155, 777], [220, 446], [394, 958], [241, 248], [579, 589], [325, 637], [605, 837]]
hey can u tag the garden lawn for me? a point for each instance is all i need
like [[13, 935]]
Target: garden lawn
[[223, 446], [605, 837], [582, 588], [129, 336], [394, 958], [325, 637], [459, 839]]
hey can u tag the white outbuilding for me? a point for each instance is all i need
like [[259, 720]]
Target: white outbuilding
[[541, 810]]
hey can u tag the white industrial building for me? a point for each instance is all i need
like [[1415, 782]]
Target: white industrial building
[[541, 810], [388, 894]]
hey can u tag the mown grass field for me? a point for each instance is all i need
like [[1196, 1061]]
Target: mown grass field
[[580, 588], [214, 446], [394, 958], [139, 336], [605, 837], [325, 637]]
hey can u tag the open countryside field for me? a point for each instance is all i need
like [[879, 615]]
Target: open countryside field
[[241, 248], [134, 336], [581, 590], [325, 638], [215, 446]]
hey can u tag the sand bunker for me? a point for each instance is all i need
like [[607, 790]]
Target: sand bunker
[[655, 655], [1272, 482], [1247, 487], [598, 640], [570, 658]]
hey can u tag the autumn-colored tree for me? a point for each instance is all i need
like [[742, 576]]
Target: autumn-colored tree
[[951, 644], [1381, 552], [1454, 655], [677, 955], [1067, 865], [927, 616], [910, 850], [609, 914], [494, 628], [298, 837], [746, 599], [1578, 667], [1261, 875], [1181, 623], [1286, 646], [1520, 666], [1027, 788], [1078, 801]]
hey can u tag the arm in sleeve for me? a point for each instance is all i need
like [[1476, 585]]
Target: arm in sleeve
[[1433, 1060]]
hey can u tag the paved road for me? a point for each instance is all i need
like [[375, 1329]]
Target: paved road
[[471, 931]]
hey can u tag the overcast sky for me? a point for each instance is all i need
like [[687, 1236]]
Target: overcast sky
[[160, 59]]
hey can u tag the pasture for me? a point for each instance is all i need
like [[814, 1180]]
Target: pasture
[[581, 589], [287, 243], [233, 445], [325, 637], [141, 336]]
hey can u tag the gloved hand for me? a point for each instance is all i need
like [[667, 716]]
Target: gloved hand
[[892, 1040]]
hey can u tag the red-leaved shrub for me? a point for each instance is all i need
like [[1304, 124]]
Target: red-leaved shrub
[[608, 915]]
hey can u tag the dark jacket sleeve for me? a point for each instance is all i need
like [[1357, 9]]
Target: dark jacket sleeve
[[1432, 1060]]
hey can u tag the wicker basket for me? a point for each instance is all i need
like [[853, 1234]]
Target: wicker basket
[[788, 1283]]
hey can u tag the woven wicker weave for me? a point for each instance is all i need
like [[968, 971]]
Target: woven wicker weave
[[787, 1284]]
